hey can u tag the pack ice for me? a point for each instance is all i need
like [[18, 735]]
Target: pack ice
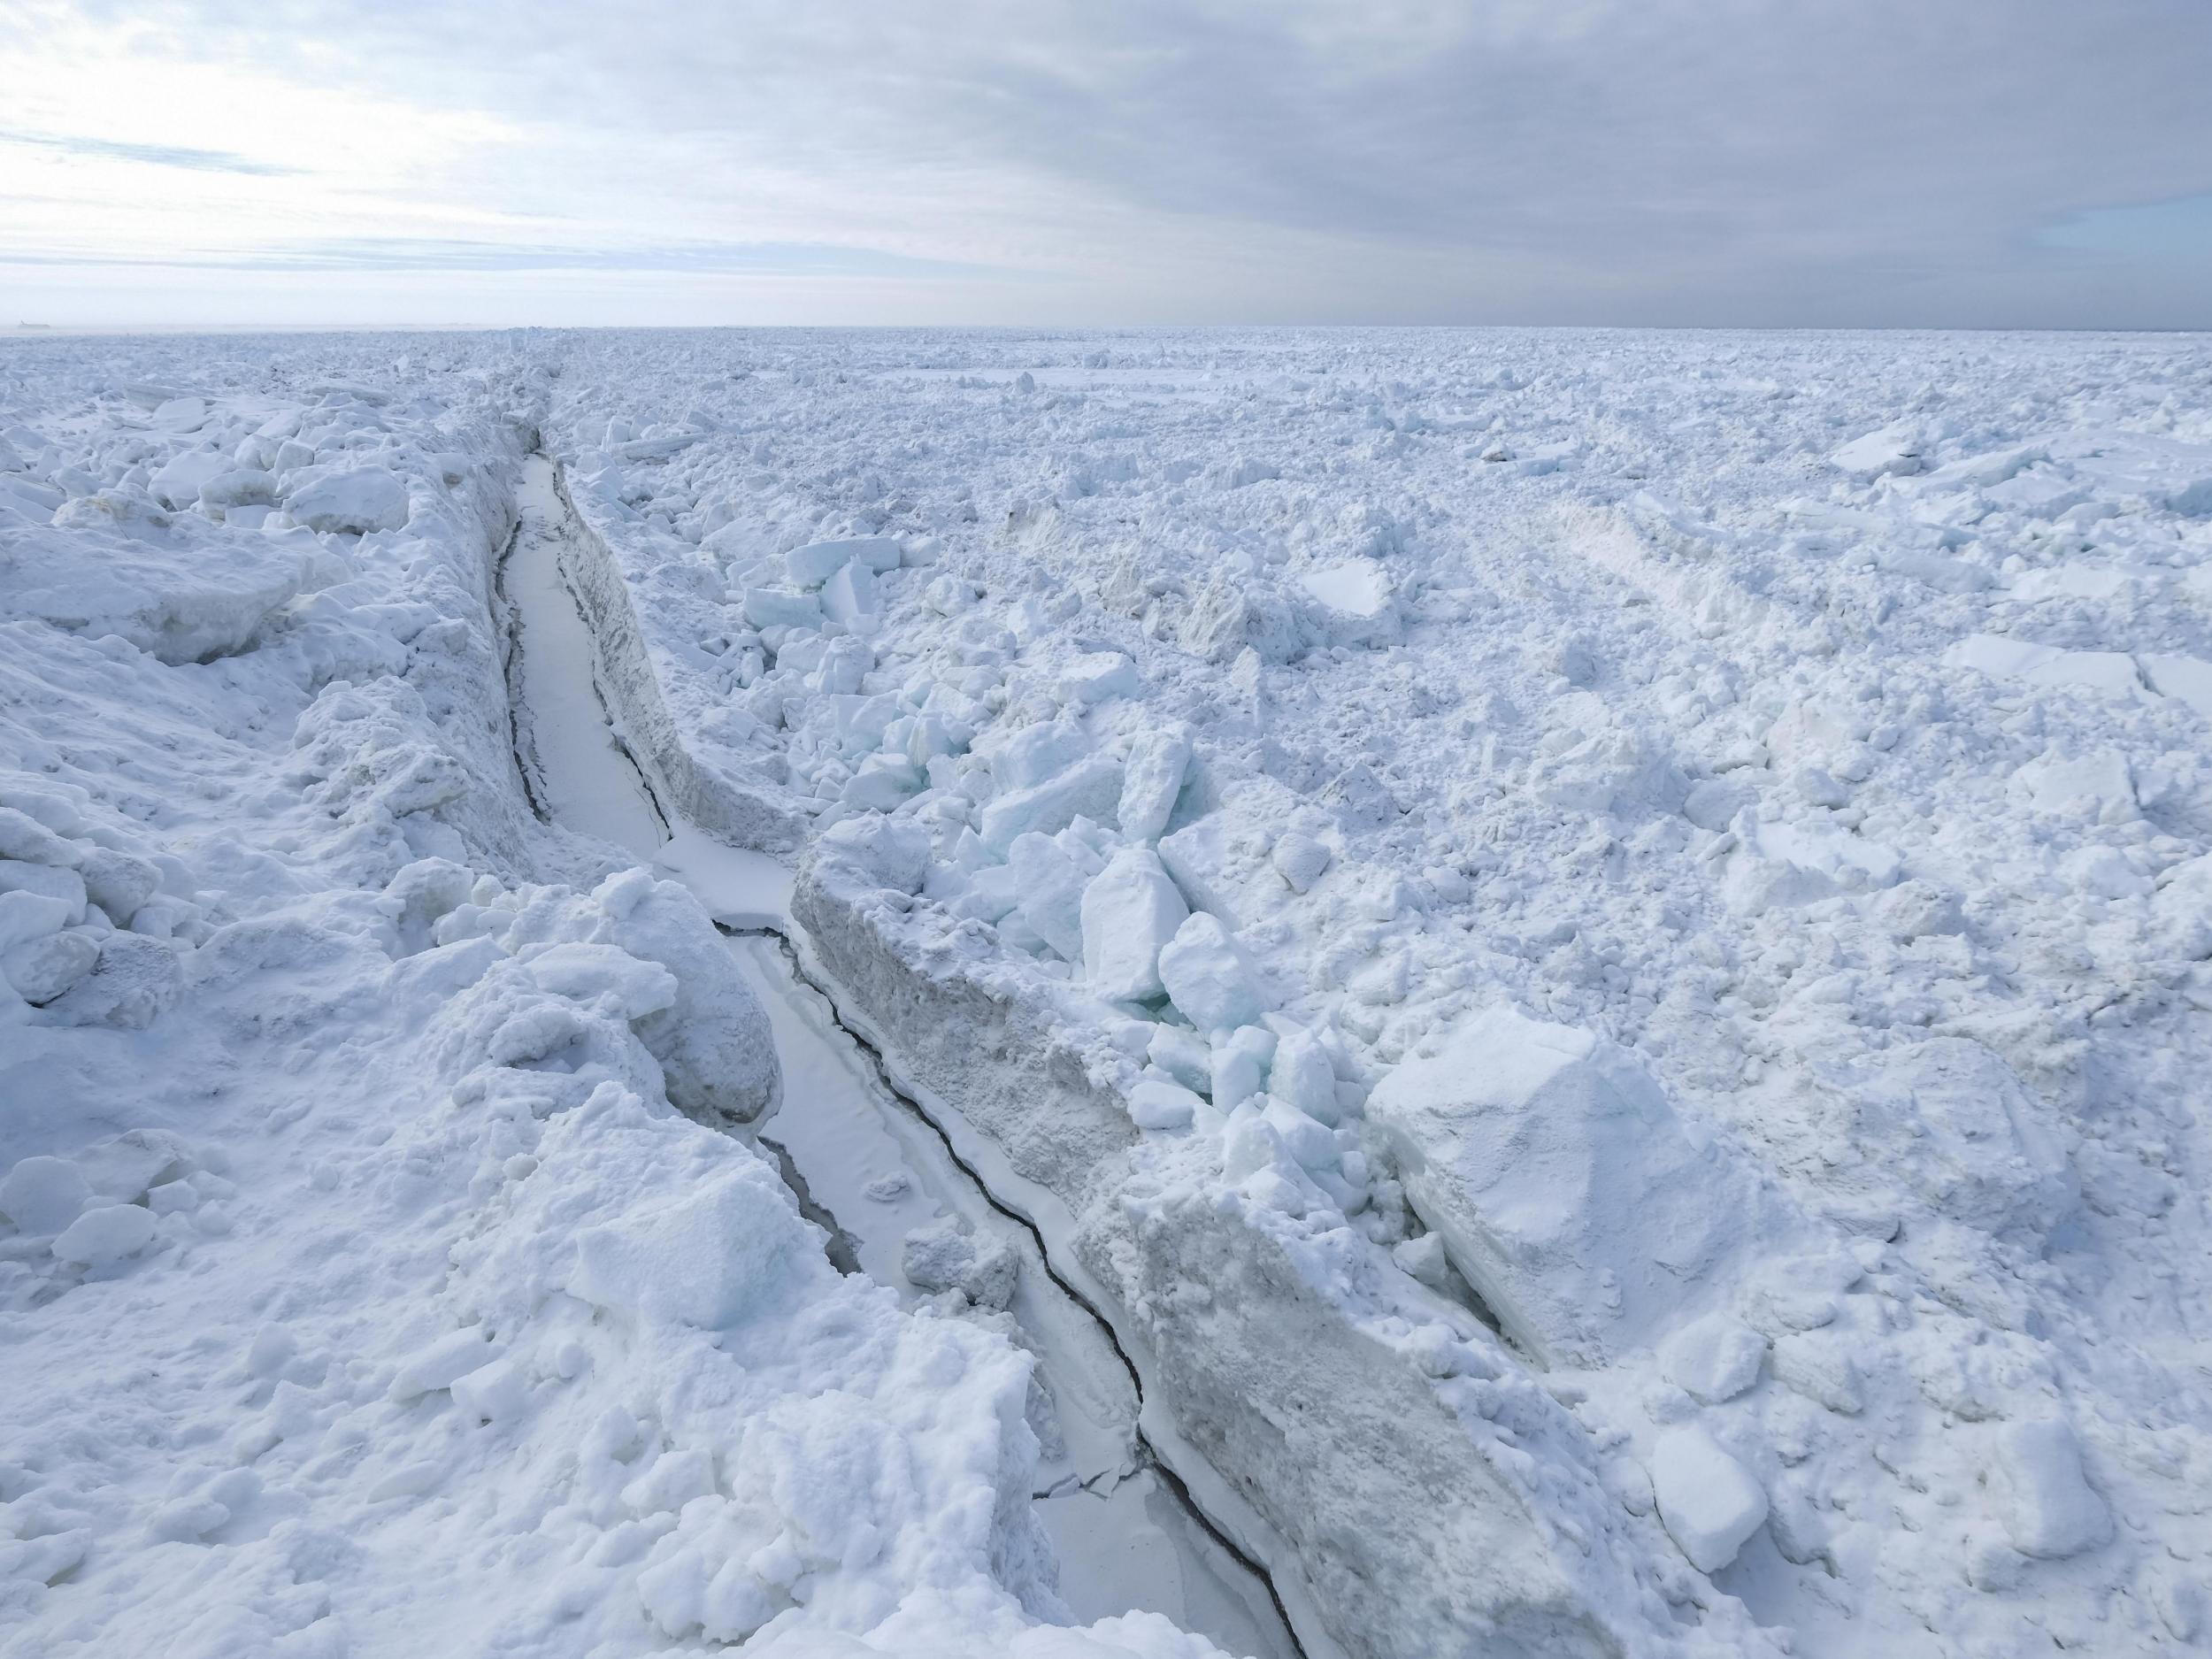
[[1593, 947]]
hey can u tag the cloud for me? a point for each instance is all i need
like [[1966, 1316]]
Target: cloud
[[428, 253], [151, 155], [1668, 161]]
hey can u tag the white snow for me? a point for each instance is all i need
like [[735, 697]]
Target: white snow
[[1690, 846]]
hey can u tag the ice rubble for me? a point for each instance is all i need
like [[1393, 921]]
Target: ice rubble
[[1866, 819], [367, 1290]]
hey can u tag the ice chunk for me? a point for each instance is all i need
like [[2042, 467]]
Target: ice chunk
[[1048, 891], [811, 565], [1303, 1076], [24, 840], [1158, 1103], [51, 880], [361, 500], [105, 1235], [779, 607], [179, 483], [1151, 780], [887, 852], [1310, 1144], [132, 980], [882, 783], [705, 1257], [1777, 865], [1710, 1502], [1715, 1359], [25, 917], [1355, 588], [1206, 976], [1893, 450], [496, 1392], [40, 971], [2111, 672], [849, 594], [1240, 1059], [588, 972], [1092, 789], [239, 487], [1037, 753], [1184, 1056], [2046, 1505], [447, 1360], [2101, 785], [118, 883], [1130, 910], [1565, 1189], [96, 580], [2187, 680], [1815, 1364], [41, 1195], [951, 1256], [1098, 677], [1299, 859]]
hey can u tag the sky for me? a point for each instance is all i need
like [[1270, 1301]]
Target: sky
[[1817, 163]]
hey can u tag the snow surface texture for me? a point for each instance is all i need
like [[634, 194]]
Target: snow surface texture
[[362, 1286], [1757, 786]]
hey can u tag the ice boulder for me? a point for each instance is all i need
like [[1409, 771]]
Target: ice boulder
[[1037, 753], [40, 971], [103, 1236], [1710, 1503], [1239, 1061], [1206, 976], [132, 980], [359, 501], [1090, 790], [2045, 1504], [1303, 1077], [878, 851], [1151, 778], [1715, 1359], [1780, 865], [1299, 859], [178, 482], [1098, 677], [1563, 1186], [849, 594], [779, 607], [1159, 1102], [1894, 449], [706, 1256], [24, 840], [96, 580], [811, 565], [41, 1195], [1048, 891], [687, 1003], [949, 1256], [1130, 910]]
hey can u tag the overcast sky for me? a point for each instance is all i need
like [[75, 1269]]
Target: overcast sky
[[1864, 161]]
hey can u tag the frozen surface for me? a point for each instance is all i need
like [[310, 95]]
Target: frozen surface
[[378, 1269], [1801, 739]]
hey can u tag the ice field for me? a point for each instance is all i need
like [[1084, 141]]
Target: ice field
[[1388, 994]]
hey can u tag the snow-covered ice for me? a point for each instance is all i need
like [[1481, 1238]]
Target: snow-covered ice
[[1594, 948]]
